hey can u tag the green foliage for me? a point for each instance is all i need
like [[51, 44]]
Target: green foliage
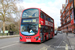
[[3, 34], [13, 27]]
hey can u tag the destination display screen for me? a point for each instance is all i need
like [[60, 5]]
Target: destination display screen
[[29, 21]]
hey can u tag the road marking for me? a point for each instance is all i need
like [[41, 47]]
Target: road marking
[[56, 41], [8, 45], [59, 44], [64, 42], [45, 48], [66, 48]]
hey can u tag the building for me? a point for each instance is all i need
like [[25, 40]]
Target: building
[[67, 16], [55, 26], [59, 29]]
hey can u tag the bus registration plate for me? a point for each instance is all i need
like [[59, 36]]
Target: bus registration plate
[[28, 40]]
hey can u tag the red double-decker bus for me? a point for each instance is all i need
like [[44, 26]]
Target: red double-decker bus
[[36, 26]]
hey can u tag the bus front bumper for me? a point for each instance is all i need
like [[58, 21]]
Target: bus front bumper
[[30, 40]]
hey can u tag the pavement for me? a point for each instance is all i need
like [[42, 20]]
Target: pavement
[[9, 36], [71, 38]]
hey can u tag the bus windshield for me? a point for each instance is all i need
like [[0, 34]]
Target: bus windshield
[[30, 13], [29, 29]]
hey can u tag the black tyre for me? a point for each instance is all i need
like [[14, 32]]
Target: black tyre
[[45, 38], [52, 37]]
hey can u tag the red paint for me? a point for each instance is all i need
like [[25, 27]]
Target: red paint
[[72, 21], [42, 22]]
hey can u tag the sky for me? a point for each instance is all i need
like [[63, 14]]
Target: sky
[[50, 7]]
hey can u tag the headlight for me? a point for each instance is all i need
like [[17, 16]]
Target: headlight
[[37, 37], [20, 37]]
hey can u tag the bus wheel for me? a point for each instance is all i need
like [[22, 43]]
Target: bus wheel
[[52, 36], [45, 38], [42, 40], [49, 38]]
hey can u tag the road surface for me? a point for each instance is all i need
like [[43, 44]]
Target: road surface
[[59, 42]]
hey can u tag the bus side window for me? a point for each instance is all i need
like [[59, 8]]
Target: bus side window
[[47, 29], [51, 20], [42, 16], [51, 29], [44, 29], [48, 19]]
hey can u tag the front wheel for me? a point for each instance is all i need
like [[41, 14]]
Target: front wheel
[[52, 37], [42, 41], [49, 37], [45, 38]]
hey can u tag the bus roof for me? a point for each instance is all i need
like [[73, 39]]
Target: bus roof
[[47, 15], [31, 8]]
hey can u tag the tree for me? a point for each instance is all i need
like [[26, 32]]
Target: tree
[[18, 16], [7, 8]]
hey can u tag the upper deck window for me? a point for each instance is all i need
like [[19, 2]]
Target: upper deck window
[[30, 13], [51, 20]]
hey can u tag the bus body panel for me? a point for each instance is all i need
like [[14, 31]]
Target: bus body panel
[[24, 38], [31, 38], [42, 21]]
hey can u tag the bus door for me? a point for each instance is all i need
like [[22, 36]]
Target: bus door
[[49, 32], [42, 32]]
